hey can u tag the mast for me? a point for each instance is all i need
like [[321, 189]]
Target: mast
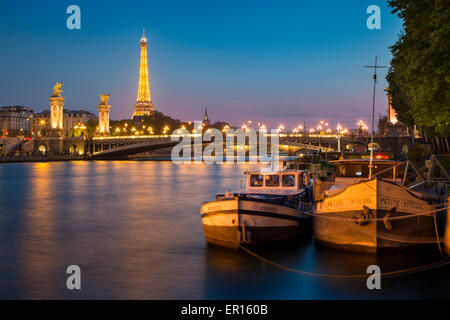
[[375, 67]]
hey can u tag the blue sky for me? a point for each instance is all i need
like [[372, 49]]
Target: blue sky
[[267, 61]]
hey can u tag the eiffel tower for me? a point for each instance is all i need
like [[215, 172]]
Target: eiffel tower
[[144, 106]]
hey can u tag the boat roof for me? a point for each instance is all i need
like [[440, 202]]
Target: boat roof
[[277, 172], [359, 161]]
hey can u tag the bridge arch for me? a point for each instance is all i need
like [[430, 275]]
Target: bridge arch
[[73, 149], [42, 149]]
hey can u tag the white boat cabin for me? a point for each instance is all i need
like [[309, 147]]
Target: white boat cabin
[[283, 182]]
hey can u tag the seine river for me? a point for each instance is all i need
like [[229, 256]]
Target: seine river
[[134, 229]]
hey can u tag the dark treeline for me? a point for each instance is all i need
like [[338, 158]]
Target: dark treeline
[[419, 76]]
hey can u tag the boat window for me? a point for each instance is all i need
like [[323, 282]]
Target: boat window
[[362, 170], [256, 180], [273, 181], [288, 180], [352, 171]]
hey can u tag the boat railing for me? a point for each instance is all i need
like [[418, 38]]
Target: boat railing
[[416, 184], [445, 178], [408, 164], [388, 169]]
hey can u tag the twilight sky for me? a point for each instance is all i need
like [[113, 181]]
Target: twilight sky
[[267, 61]]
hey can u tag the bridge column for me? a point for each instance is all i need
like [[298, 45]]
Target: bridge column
[[103, 115]]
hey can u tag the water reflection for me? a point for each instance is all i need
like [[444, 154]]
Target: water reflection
[[134, 228], [38, 237]]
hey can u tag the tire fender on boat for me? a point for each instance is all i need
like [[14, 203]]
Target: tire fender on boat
[[387, 224], [363, 218]]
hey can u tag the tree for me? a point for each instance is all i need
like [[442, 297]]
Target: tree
[[419, 78], [399, 99], [382, 125], [156, 123], [91, 127]]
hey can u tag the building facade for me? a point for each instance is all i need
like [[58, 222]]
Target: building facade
[[16, 118], [392, 114], [71, 118]]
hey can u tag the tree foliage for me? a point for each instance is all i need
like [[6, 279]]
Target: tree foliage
[[91, 127], [159, 121], [419, 78], [152, 124], [383, 125]]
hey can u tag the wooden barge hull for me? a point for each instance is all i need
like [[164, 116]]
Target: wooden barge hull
[[376, 215], [234, 223]]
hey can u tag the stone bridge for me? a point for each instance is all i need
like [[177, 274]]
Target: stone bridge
[[122, 147]]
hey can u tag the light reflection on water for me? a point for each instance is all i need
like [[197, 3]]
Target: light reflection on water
[[134, 228]]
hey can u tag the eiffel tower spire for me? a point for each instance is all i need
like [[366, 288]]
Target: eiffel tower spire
[[144, 104]]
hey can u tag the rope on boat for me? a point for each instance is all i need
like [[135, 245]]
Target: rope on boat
[[410, 239], [394, 273], [385, 219], [437, 235], [403, 239], [399, 272], [325, 216]]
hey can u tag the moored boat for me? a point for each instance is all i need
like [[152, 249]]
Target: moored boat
[[270, 210], [363, 214]]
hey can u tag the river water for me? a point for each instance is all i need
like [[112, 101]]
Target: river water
[[134, 229]]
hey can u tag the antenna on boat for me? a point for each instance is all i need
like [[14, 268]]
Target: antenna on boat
[[375, 67]]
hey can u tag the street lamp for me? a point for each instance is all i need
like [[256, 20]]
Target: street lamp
[[263, 128], [225, 128], [319, 128]]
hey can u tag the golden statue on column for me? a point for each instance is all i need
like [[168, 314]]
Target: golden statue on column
[[56, 107], [103, 114]]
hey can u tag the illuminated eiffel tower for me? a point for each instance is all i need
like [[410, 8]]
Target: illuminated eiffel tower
[[144, 106]]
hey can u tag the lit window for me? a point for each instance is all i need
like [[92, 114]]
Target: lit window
[[273, 181], [256, 180], [288, 180]]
